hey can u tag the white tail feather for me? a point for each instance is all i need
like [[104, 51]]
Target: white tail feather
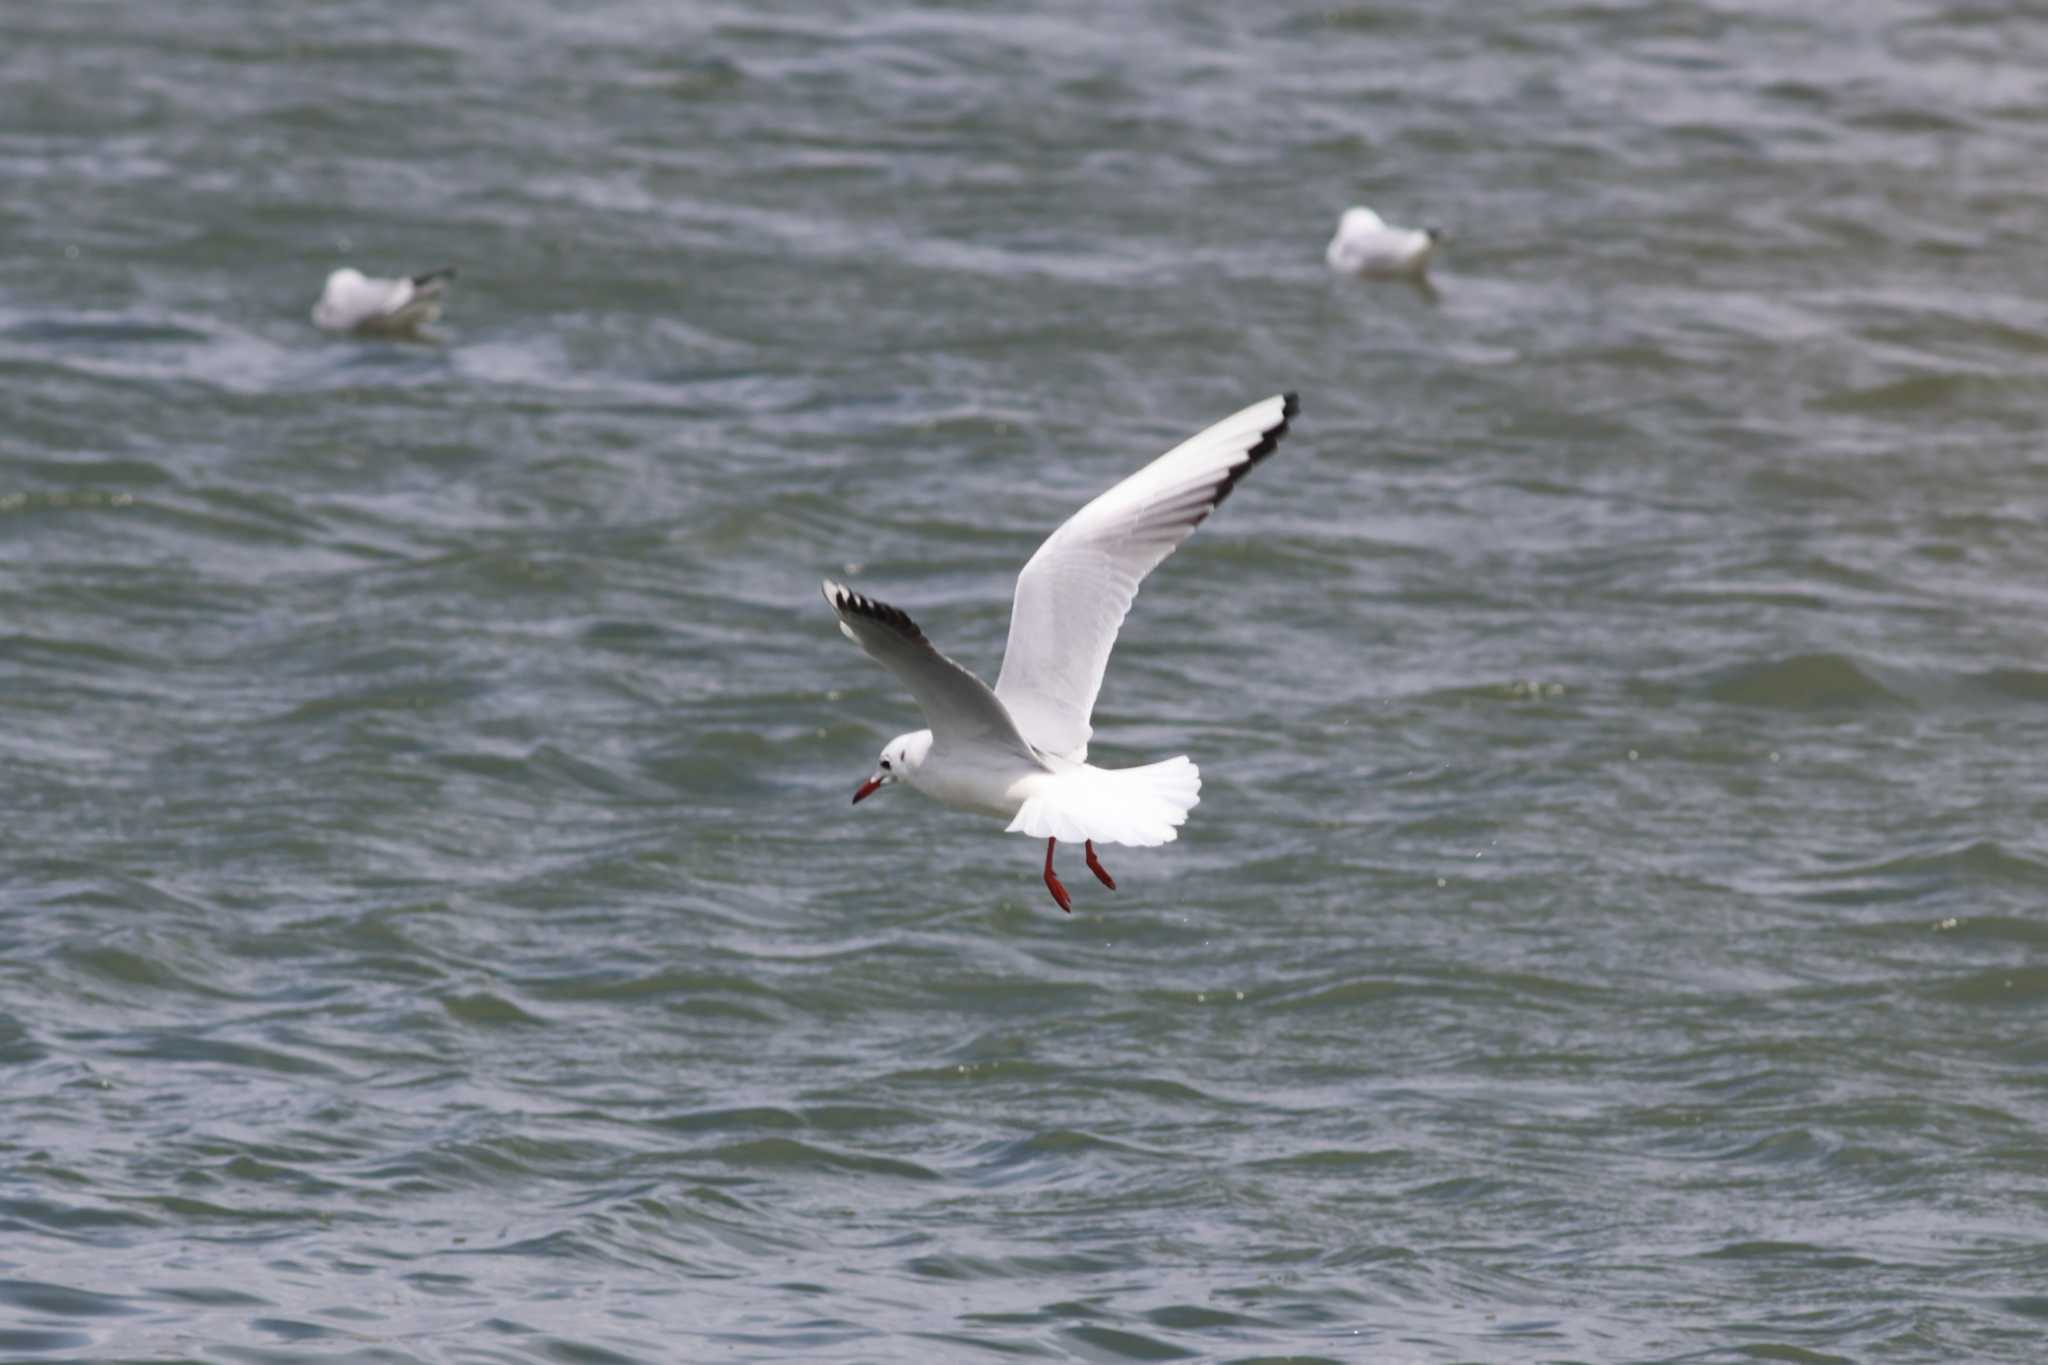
[[1141, 806]]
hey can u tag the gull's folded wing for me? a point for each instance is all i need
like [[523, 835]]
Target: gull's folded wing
[[375, 298], [1074, 593], [957, 705]]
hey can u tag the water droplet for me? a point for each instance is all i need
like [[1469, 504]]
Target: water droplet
[[1631, 755]]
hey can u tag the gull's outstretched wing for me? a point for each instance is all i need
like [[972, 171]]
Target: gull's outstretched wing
[[957, 705], [1074, 593]]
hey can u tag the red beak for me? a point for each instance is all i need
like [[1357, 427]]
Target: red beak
[[867, 789]]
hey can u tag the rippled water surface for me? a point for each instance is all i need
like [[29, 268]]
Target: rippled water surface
[[432, 926]]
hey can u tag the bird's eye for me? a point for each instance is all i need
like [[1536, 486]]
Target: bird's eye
[[885, 765]]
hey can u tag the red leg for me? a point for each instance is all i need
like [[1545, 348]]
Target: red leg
[[1096, 867], [1052, 881]]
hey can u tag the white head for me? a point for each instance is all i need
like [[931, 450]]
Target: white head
[[1358, 221], [336, 307], [901, 758]]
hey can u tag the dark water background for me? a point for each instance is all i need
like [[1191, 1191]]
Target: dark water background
[[431, 923]]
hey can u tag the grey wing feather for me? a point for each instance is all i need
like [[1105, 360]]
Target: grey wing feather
[[1075, 591], [958, 706]]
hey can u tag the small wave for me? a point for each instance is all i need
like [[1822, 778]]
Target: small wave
[[2003, 929], [1804, 1253], [57, 1300], [1983, 858], [69, 1220], [967, 1266], [201, 351], [488, 1010], [1349, 995], [207, 1296], [1806, 682], [34, 1341], [2004, 986], [1465, 1189], [752, 1119], [424, 695], [86, 328], [1915, 119], [94, 656], [1048, 1155], [778, 1154], [115, 472], [2015, 684], [1333, 1162], [1919, 393], [678, 988], [1192, 1317], [184, 1048], [1127, 1345], [137, 975], [1915, 876]]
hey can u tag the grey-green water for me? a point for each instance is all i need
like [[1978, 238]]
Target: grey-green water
[[432, 926]]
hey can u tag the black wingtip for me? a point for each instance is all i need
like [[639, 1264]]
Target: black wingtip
[[1290, 404], [847, 600], [1268, 442], [446, 272]]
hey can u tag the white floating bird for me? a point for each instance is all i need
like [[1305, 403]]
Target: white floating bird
[[1368, 246], [354, 302], [1019, 751]]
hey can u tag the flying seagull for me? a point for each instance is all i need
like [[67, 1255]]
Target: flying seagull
[[1019, 751], [354, 302], [1369, 247]]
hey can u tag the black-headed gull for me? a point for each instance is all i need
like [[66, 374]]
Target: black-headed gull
[[1020, 751], [1368, 246], [355, 302]]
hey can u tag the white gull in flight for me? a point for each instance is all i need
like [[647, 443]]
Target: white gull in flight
[[1019, 751], [355, 302], [1369, 247]]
